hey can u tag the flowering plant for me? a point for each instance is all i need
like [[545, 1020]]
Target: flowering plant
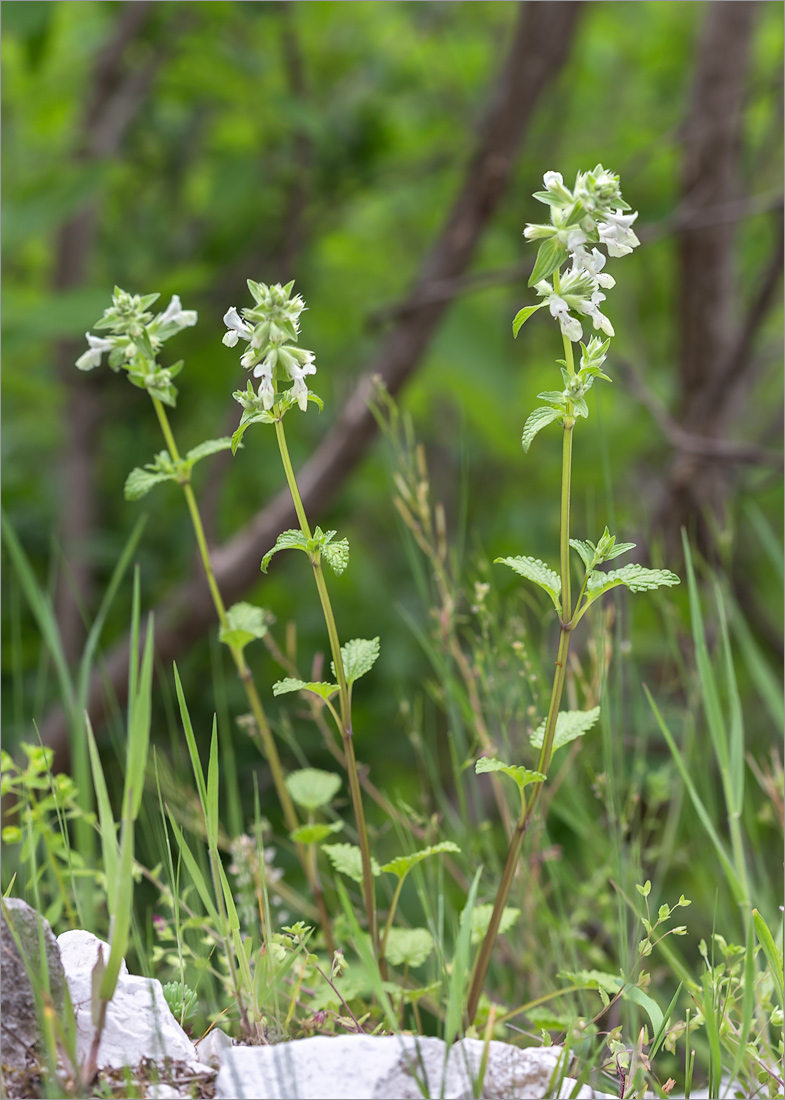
[[592, 214]]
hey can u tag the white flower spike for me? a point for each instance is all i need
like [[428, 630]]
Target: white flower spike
[[92, 358]]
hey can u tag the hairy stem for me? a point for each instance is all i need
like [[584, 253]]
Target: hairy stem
[[343, 688], [483, 959]]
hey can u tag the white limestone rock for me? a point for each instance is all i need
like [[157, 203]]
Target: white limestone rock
[[139, 1023], [364, 1067], [212, 1048]]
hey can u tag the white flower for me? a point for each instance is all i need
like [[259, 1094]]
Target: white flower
[[572, 237], [599, 319], [298, 374], [571, 327], [174, 314], [92, 358], [553, 180], [264, 370], [557, 305], [616, 234], [592, 262], [237, 328]]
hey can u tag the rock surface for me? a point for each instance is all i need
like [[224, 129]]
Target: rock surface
[[139, 1023], [364, 1067], [18, 1013]]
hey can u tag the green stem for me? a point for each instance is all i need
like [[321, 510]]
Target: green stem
[[343, 688], [244, 673], [559, 675], [564, 527], [389, 921]]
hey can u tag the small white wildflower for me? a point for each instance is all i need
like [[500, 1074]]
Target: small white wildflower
[[237, 327], [571, 327], [92, 357], [557, 305], [616, 233], [592, 263], [554, 183], [264, 371], [572, 237], [175, 315], [249, 358], [599, 319], [299, 388]]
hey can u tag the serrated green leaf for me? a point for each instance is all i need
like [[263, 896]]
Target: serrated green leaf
[[408, 946], [401, 865], [347, 859], [538, 420], [570, 724], [246, 623], [520, 776], [620, 548], [323, 690], [261, 416], [336, 554], [537, 571], [522, 316], [553, 397], [287, 540], [358, 656], [315, 833], [139, 482], [312, 788], [579, 406], [636, 577], [551, 255], [481, 918], [209, 447], [587, 551]]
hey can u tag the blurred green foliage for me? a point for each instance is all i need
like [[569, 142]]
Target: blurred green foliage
[[324, 141]]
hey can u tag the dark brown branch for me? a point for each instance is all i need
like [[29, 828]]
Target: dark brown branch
[[539, 47], [723, 389], [719, 450], [697, 484]]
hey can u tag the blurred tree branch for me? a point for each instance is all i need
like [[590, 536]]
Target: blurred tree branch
[[715, 361], [115, 95], [285, 256], [540, 44]]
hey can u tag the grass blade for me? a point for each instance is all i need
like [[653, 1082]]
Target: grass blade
[[459, 979], [194, 871], [736, 719], [109, 848], [712, 1025], [213, 771], [193, 752], [697, 802], [711, 699], [661, 1030], [774, 957], [122, 905], [139, 728]]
